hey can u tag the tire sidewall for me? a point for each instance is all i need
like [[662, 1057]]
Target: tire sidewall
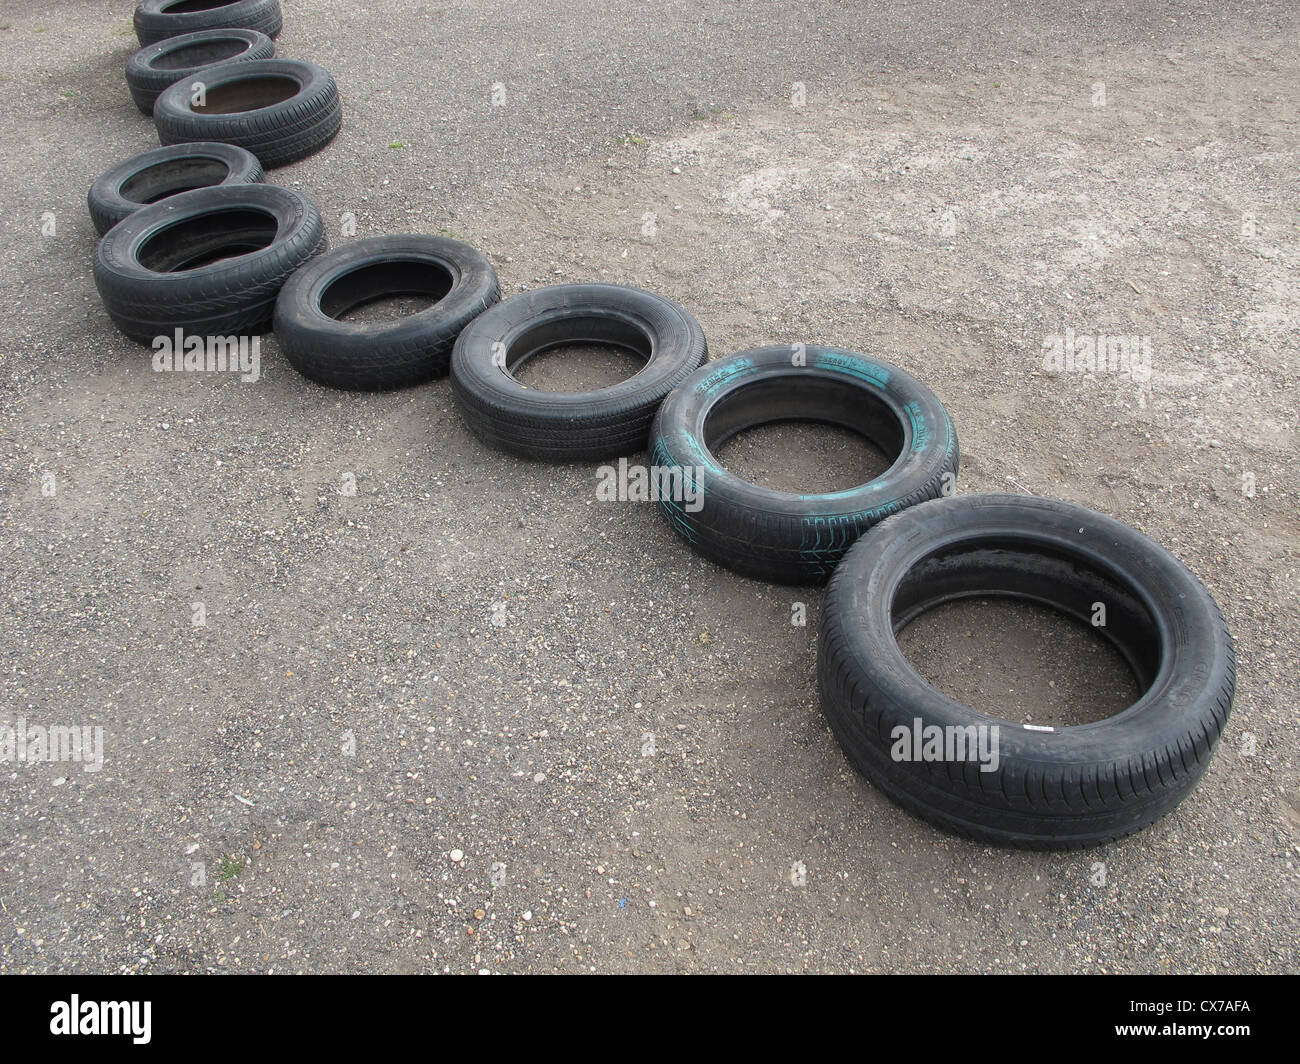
[[153, 24], [174, 116], [298, 310], [147, 82], [117, 266], [1196, 652], [676, 339], [105, 197], [929, 439]]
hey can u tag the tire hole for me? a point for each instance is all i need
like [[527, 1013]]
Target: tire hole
[[211, 237], [384, 291], [200, 55], [246, 94], [172, 178], [185, 7], [804, 457], [578, 368], [386, 308], [1019, 661]]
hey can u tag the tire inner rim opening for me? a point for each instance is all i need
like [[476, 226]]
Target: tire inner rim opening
[[992, 567], [595, 330], [211, 237], [200, 55], [817, 400], [247, 94], [378, 282], [185, 7], [168, 179]]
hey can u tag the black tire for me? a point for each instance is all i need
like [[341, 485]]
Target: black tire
[[281, 110], [782, 536], [572, 426], [1050, 789], [156, 66], [392, 354], [156, 20], [157, 271], [156, 175]]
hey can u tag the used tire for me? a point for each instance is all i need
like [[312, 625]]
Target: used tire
[[1050, 788], [281, 110], [156, 66], [391, 354], [155, 175], [156, 20], [783, 536], [208, 262], [572, 426]]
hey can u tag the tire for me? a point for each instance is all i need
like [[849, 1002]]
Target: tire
[[782, 536], [156, 20], [155, 272], [392, 354], [156, 175], [1048, 789], [287, 109], [572, 426], [156, 66]]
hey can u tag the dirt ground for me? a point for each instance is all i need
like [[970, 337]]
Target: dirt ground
[[350, 767]]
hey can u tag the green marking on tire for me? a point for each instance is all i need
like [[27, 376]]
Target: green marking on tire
[[920, 427], [858, 367], [723, 374]]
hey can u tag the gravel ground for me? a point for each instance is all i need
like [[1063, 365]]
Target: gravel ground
[[467, 718]]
